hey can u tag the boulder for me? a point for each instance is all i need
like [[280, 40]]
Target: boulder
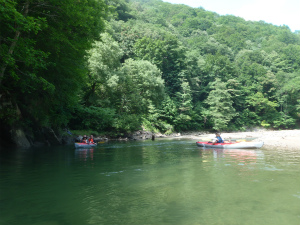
[[141, 135], [51, 137], [19, 138]]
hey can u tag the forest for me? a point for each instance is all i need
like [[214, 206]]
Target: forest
[[118, 66]]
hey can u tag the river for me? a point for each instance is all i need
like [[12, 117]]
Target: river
[[161, 182]]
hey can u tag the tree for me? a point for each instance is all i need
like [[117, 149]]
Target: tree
[[138, 83], [184, 99], [262, 106], [103, 62], [220, 105], [219, 66], [169, 110], [167, 54], [43, 44], [288, 93], [16, 24]]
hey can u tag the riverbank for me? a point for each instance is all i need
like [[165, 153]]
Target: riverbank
[[283, 139]]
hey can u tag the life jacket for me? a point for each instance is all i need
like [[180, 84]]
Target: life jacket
[[91, 140], [220, 140], [83, 141]]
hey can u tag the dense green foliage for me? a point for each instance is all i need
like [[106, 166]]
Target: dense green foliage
[[43, 44], [153, 64]]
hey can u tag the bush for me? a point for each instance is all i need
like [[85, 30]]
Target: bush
[[93, 118], [283, 121], [127, 123]]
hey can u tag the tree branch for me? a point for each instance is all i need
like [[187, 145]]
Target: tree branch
[[14, 42]]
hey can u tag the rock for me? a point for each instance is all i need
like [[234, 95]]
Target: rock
[[67, 140], [19, 138], [141, 135], [51, 136], [12, 134]]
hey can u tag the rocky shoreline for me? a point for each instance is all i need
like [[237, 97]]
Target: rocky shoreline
[[283, 139]]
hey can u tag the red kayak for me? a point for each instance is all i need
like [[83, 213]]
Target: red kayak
[[231, 145]]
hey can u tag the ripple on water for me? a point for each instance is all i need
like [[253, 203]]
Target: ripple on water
[[271, 168], [297, 195], [111, 173]]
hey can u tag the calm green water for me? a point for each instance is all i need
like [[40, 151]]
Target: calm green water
[[162, 182]]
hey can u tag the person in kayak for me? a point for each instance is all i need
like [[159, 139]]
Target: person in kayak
[[91, 139], [218, 139], [84, 139]]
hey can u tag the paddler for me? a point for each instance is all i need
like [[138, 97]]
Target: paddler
[[218, 139], [84, 139], [91, 139]]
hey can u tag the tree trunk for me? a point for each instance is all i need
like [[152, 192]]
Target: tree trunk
[[14, 42]]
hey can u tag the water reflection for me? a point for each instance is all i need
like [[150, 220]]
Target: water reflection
[[84, 154], [238, 155]]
